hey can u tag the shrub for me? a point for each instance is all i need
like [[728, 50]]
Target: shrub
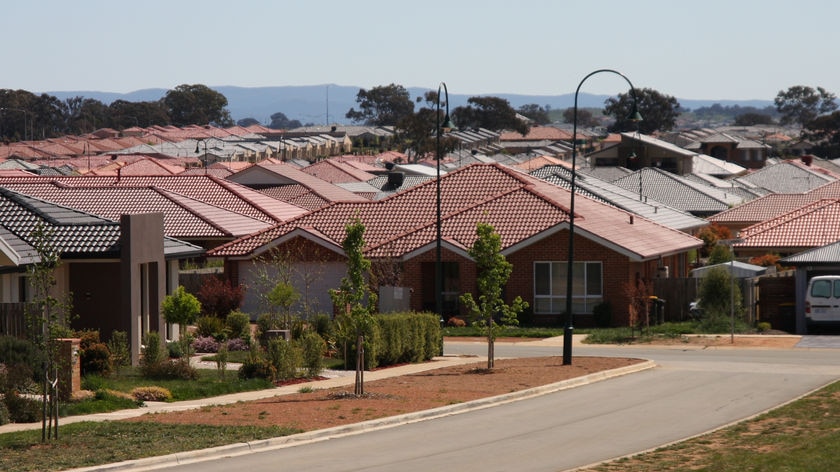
[[312, 350], [322, 324], [238, 325], [205, 344], [152, 350], [4, 414], [14, 351], [284, 358], [118, 347], [151, 394], [96, 359], [265, 323], [167, 370], [763, 326], [256, 369], [22, 409], [238, 344], [210, 326], [174, 349], [219, 297]]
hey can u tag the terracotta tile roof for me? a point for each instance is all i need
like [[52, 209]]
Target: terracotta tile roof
[[205, 188], [538, 133], [266, 175], [296, 194], [519, 206], [763, 208], [337, 172], [813, 225]]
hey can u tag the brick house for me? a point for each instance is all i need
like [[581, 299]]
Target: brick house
[[613, 248]]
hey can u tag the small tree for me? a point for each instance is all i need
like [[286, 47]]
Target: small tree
[[720, 297], [48, 316], [493, 273], [283, 296], [219, 297], [354, 298], [181, 308]]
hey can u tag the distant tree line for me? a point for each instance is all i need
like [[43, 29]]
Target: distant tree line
[[26, 116]]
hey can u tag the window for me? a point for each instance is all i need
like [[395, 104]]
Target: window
[[550, 287]]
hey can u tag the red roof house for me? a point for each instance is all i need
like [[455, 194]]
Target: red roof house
[[612, 247]]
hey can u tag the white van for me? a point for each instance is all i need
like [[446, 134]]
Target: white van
[[822, 301]]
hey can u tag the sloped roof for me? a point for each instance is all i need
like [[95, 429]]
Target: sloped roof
[[678, 192], [823, 255], [337, 172], [537, 133], [813, 225], [205, 188], [520, 207], [704, 164], [763, 208], [788, 177], [184, 217], [623, 198]]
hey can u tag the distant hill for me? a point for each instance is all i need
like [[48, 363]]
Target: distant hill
[[312, 103]]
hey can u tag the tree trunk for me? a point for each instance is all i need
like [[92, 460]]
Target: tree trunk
[[360, 365]]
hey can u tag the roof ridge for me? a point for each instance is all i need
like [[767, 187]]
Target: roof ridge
[[800, 212]]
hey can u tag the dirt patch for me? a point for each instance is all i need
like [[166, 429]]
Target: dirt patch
[[326, 408]]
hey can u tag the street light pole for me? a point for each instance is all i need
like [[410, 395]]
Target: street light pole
[[197, 143], [568, 331], [446, 125]]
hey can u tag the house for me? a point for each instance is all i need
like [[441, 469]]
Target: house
[[287, 183], [117, 272], [622, 198], [679, 192], [788, 177], [810, 226], [613, 248], [201, 209]]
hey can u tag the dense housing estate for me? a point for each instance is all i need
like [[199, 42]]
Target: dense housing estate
[[253, 196]]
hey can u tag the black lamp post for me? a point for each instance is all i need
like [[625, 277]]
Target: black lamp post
[[440, 127], [569, 328], [205, 151]]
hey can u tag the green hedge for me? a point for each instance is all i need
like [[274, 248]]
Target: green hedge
[[408, 337]]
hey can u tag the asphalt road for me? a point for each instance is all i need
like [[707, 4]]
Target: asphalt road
[[692, 391]]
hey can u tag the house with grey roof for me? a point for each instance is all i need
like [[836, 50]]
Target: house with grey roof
[[116, 272], [622, 198], [788, 177]]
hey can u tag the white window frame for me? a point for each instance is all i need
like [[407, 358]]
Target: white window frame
[[550, 296]]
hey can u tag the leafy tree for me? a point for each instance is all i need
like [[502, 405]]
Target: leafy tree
[[717, 294], [824, 133], [354, 297], [84, 115], [196, 104], [802, 104], [418, 131], [751, 119], [284, 295], [124, 114], [711, 235], [659, 112], [493, 272], [536, 113], [585, 118], [246, 122], [382, 105], [180, 307], [720, 254], [219, 297], [280, 121], [492, 113]]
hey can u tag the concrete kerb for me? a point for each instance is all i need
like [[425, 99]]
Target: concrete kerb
[[264, 445]]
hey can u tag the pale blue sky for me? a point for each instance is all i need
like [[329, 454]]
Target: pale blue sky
[[734, 49]]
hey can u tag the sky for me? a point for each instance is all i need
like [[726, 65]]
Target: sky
[[703, 50]]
